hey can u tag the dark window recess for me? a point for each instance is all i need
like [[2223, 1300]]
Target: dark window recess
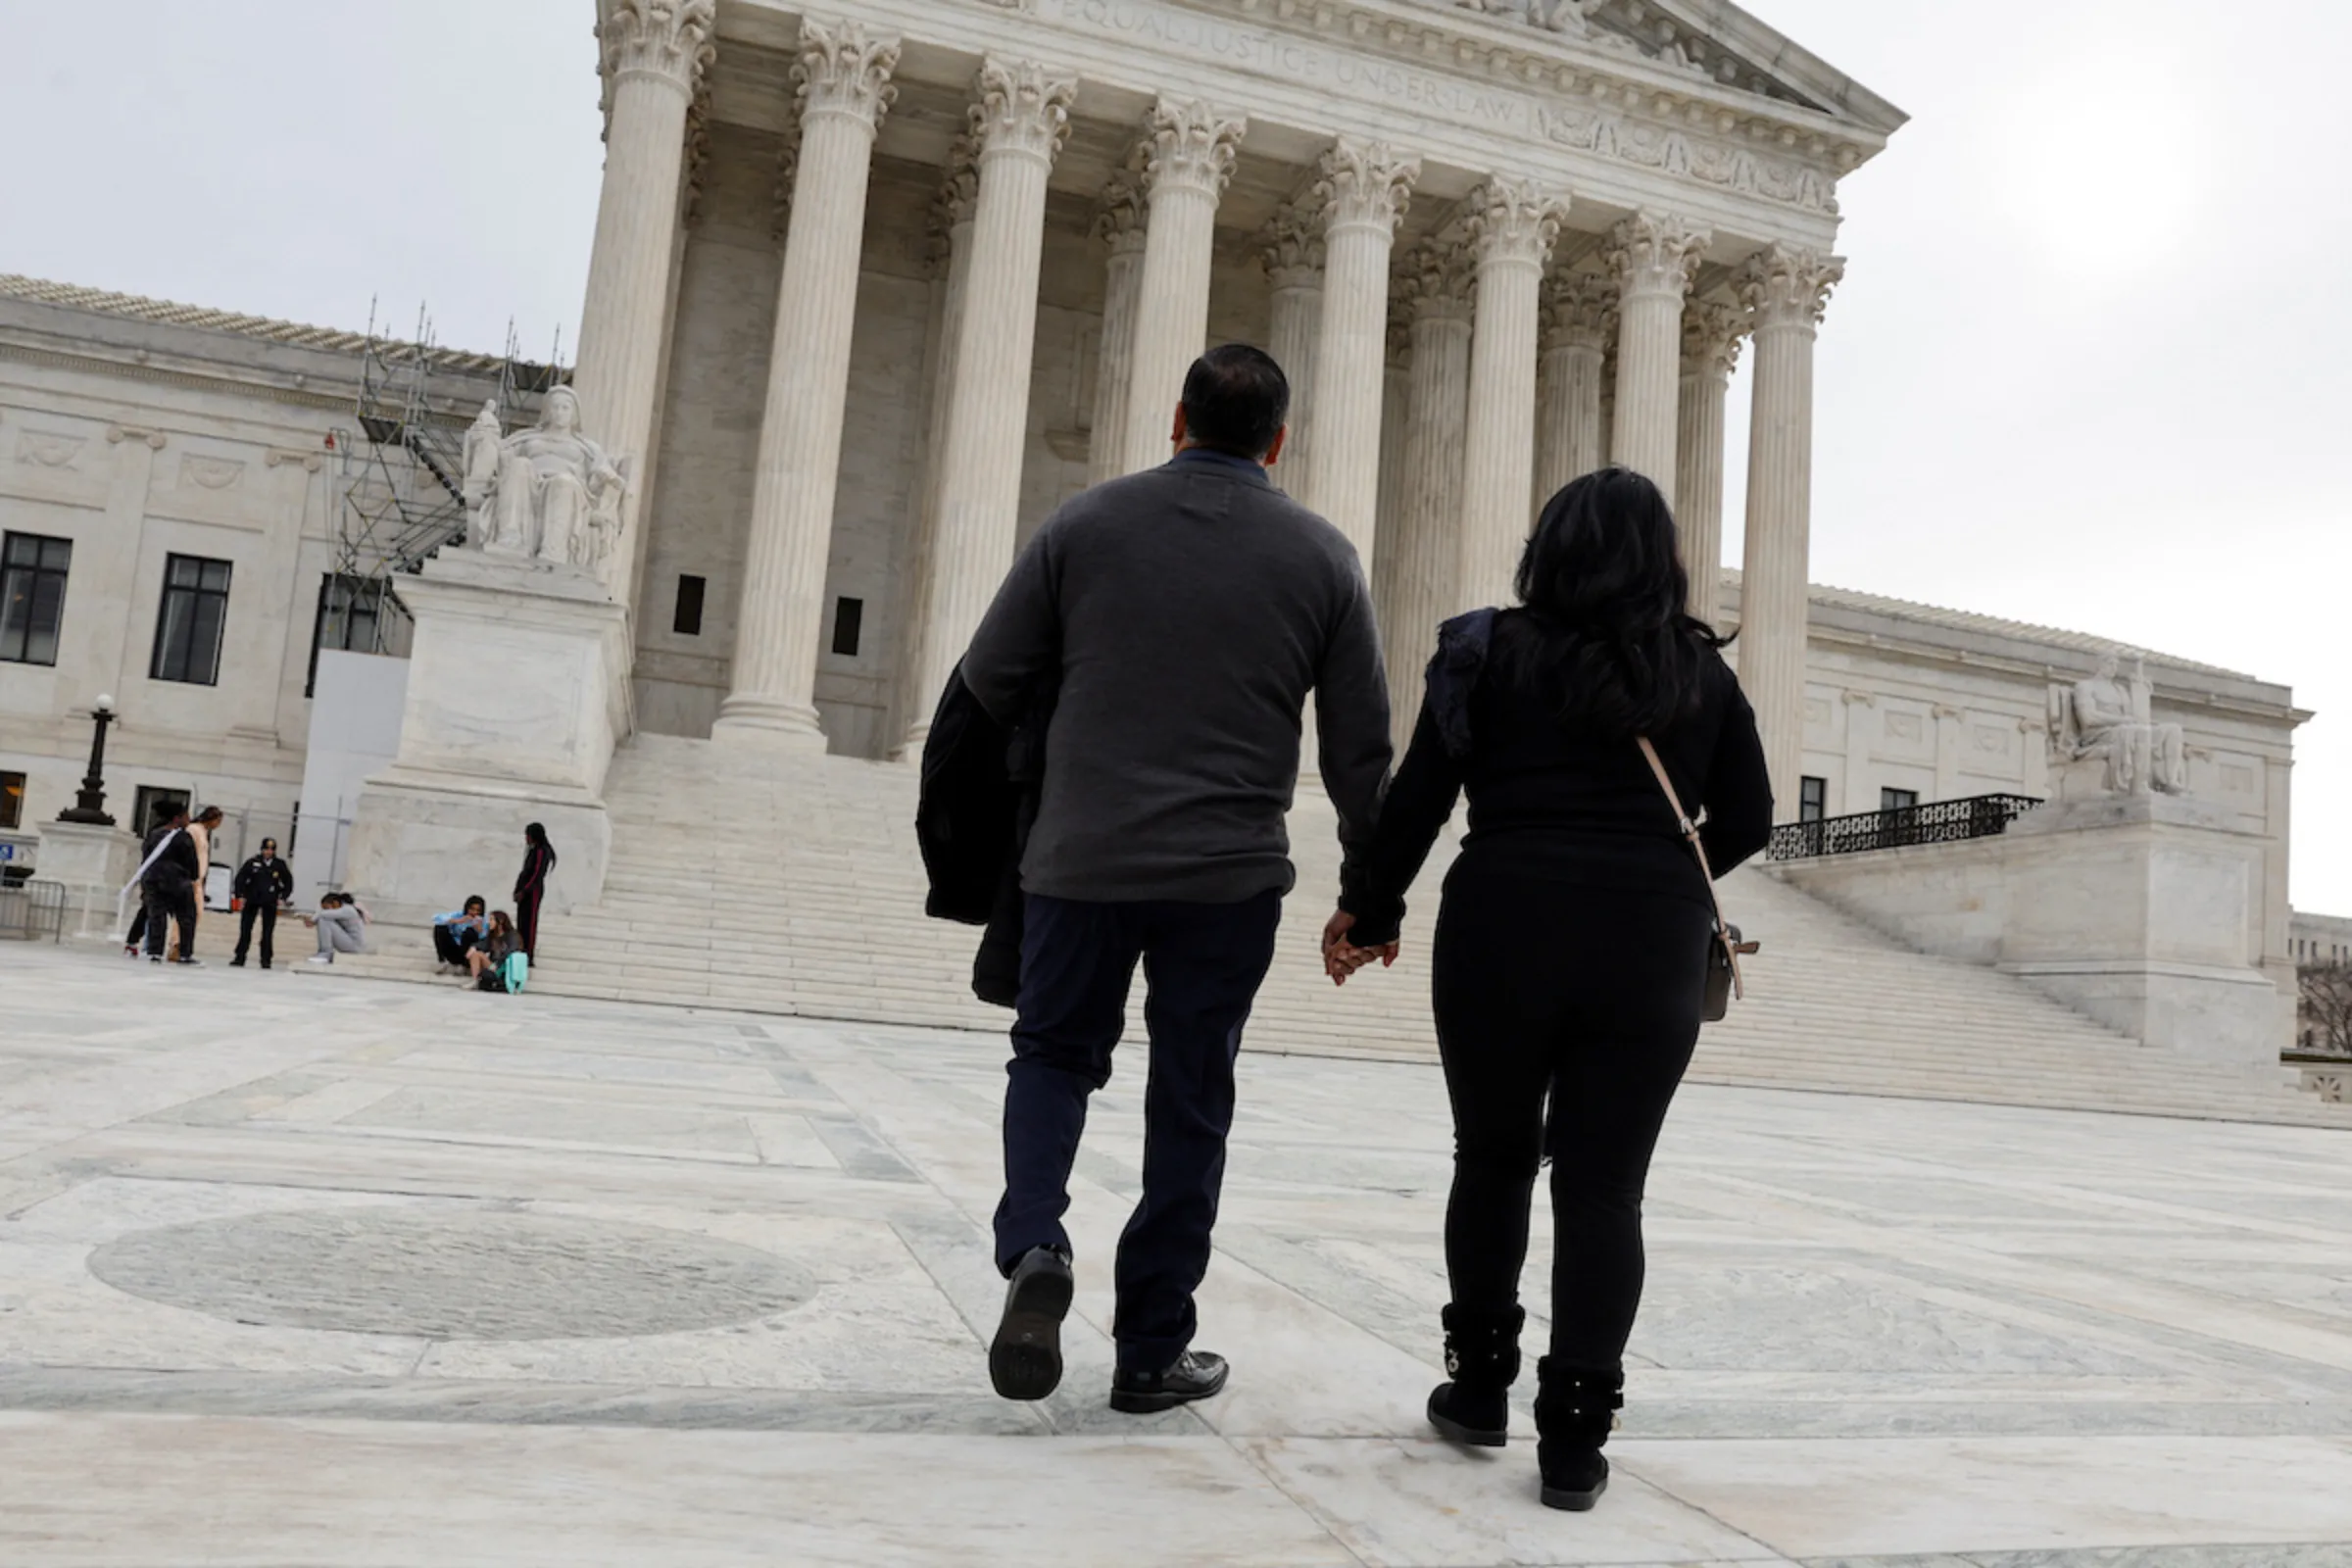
[[1812, 798], [189, 624], [151, 798], [849, 625], [688, 619], [351, 619], [33, 596], [1898, 800], [12, 799]]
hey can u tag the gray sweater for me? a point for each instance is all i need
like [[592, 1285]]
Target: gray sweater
[[1189, 611]]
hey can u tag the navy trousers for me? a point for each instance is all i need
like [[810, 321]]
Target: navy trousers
[[1202, 964]]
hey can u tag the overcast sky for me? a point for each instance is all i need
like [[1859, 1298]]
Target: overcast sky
[[2092, 365]]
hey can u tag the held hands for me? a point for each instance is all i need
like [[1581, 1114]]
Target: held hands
[[1343, 957]]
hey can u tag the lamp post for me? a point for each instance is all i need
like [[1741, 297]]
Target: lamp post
[[89, 805]]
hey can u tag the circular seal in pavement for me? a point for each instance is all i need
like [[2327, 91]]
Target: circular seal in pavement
[[457, 1274]]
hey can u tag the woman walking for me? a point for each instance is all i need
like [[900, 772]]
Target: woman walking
[[1571, 941], [538, 859]]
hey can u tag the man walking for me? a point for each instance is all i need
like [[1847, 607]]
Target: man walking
[[1185, 613], [168, 883], [261, 884]]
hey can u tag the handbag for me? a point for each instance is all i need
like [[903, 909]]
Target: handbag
[[1724, 982]]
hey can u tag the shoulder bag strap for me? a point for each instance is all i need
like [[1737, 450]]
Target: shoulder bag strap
[[1691, 835]]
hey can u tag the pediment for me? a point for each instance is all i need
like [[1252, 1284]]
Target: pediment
[[1711, 41]]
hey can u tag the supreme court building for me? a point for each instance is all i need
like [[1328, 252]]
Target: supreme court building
[[875, 285]]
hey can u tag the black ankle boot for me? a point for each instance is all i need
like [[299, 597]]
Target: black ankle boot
[[1482, 1351], [1575, 1409]]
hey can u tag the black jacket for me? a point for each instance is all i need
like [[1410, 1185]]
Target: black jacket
[[264, 879], [981, 782], [175, 870], [1584, 808]]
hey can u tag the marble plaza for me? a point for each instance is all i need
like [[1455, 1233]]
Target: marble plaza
[[340, 1274]]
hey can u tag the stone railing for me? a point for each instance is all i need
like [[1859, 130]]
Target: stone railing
[[1979, 816], [2327, 1076]]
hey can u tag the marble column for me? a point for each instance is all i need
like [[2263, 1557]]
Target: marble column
[[1422, 557], [1655, 258], [1580, 313], [1395, 408], [1785, 290], [1022, 120], [844, 70], [1711, 334], [1512, 225], [1364, 187], [1120, 225], [1293, 255], [655, 55], [1188, 153], [952, 265]]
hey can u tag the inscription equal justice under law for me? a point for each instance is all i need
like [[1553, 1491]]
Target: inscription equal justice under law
[[1382, 83]]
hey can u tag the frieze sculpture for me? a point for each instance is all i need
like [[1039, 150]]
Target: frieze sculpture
[[547, 493], [1552, 16], [2107, 718]]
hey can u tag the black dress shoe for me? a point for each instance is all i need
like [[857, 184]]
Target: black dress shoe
[[1025, 1361], [1197, 1375]]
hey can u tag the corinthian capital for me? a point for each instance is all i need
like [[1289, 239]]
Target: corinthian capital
[[844, 69], [1365, 184], [1291, 247], [1433, 280], [1711, 334], [1024, 109], [1190, 146], [1580, 310], [952, 204], [1655, 254], [666, 38], [1119, 218], [1782, 285], [1512, 223]]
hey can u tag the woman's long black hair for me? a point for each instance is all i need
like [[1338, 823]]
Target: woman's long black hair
[[1606, 639], [537, 836]]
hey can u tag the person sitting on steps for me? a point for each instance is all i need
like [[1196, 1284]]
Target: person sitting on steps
[[458, 934], [487, 963], [342, 927]]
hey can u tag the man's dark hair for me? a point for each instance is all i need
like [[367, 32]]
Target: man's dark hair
[[1236, 400]]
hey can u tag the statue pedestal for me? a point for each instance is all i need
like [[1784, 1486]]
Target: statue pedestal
[[2145, 912], [93, 862], [518, 692]]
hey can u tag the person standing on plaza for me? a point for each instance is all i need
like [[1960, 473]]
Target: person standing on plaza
[[168, 879], [1573, 938], [201, 828], [263, 884], [530, 888], [1185, 613]]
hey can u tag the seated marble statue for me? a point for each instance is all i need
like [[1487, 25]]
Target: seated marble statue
[[2107, 717], [547, 493]]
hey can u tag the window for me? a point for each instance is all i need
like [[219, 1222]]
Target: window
[[12, 799], [152, 796], [687, 619], [1898, 800], [350, 621], [1812, 798], [188, 627], [33, 596], [849, 622]]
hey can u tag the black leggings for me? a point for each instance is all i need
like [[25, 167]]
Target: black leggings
[[1593, 996]]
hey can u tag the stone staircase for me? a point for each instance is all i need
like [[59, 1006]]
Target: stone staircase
[[778, 884]]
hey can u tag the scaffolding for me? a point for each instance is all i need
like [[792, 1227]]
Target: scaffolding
[[401, 475]]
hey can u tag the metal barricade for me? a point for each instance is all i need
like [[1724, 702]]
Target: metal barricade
[[33, 910]]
